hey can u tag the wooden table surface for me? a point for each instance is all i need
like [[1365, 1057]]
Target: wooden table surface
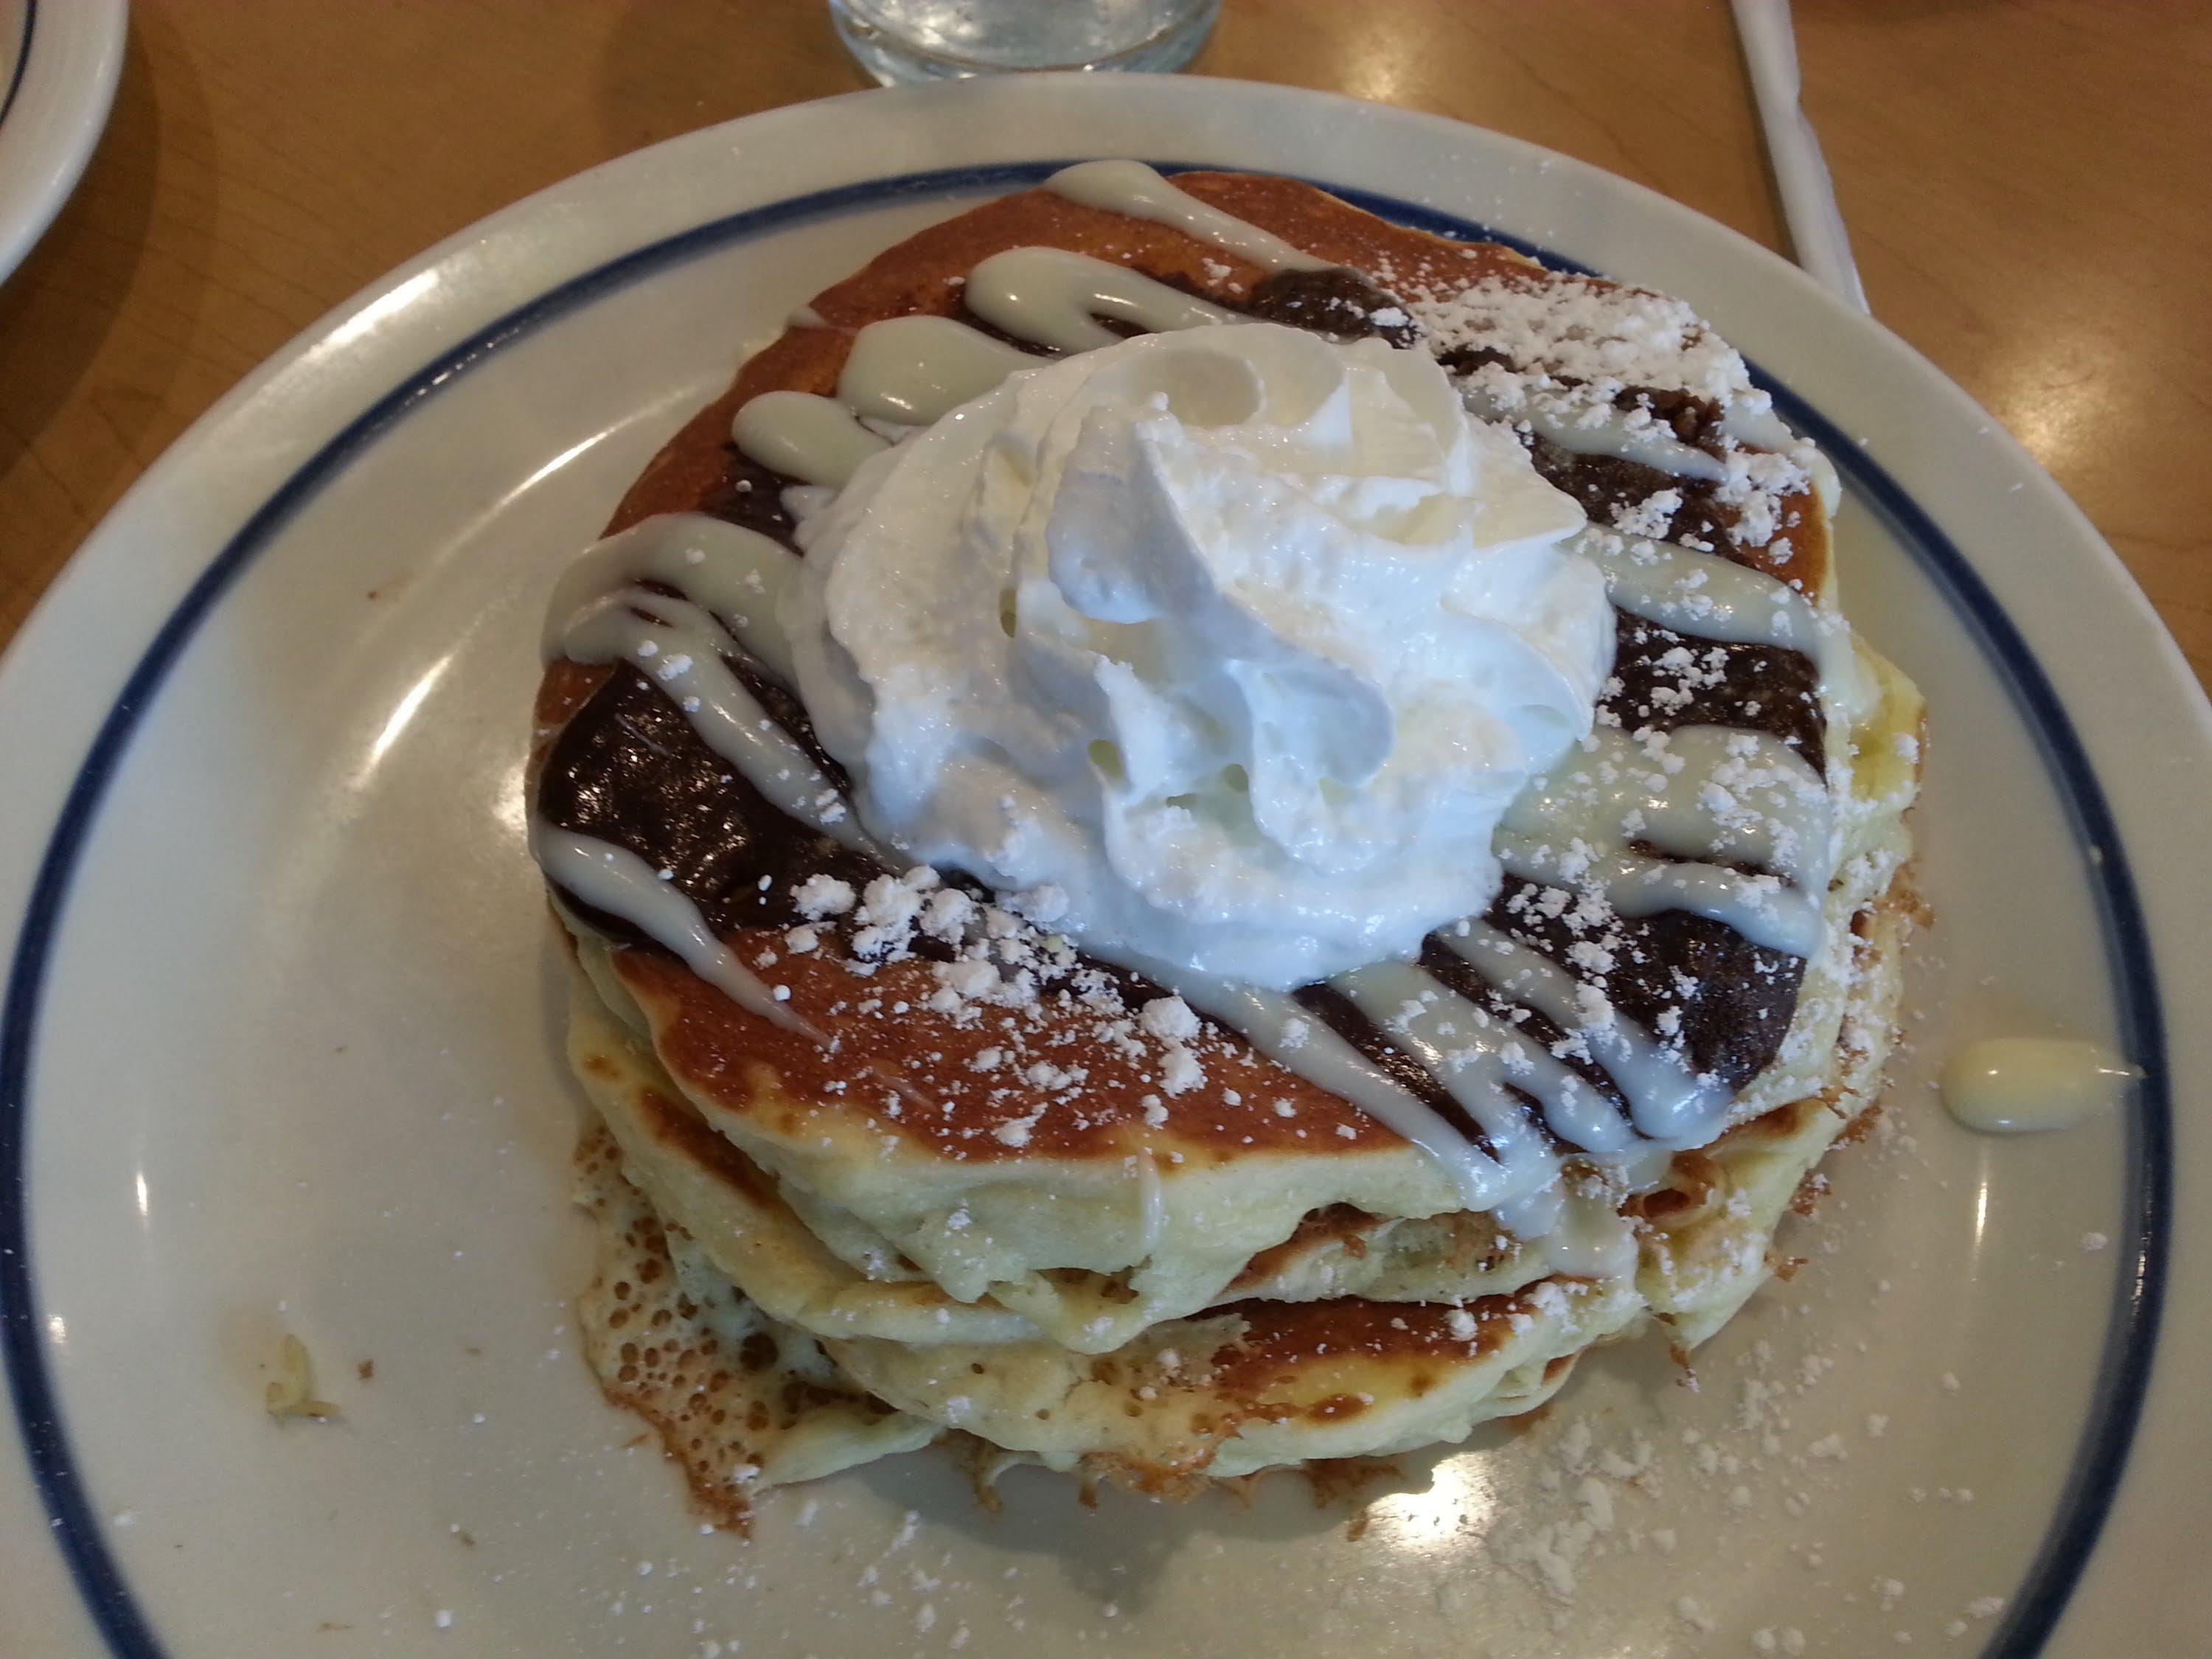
[[2026, 181]]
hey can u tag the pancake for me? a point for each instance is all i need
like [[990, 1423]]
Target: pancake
[[741, 1401], [1113, 1217]]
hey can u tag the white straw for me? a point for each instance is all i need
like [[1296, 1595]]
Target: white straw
[[1809, 199]]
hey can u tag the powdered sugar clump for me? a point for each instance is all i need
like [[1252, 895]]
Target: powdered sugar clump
[[1572, 328]]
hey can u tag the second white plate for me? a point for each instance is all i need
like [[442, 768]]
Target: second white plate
[[58, 67]]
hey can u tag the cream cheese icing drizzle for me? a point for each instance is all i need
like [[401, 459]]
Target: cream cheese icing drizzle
[[1578, 1225], [1133, 188], [738, 573], [1479, 1057], [805, 436], [1703, 793], [914, 371], [1599, 431], [616, 880], [1279, 1028], [682, 646], [1055, 298], [1708, 596], [1756, 423], [1667, 1101]]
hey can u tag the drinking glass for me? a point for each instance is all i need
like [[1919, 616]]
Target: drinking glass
[[900, 40]]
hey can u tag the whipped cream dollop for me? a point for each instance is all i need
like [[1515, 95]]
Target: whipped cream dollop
[[1226, 646]]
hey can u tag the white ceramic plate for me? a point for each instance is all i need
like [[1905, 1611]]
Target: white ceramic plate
[[58, 64], [279, 1054]]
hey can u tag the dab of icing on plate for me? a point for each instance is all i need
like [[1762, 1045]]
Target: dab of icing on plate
[[2011, 1085]]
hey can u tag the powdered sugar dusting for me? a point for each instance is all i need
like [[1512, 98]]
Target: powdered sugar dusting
[[1574, 329]]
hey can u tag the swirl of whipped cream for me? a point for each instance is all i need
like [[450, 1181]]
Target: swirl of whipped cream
[[1240, 639]]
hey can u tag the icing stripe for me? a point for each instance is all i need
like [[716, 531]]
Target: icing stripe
[[616, 880], [1055, 298], [805, 436], [1133, 188], [912, 371]]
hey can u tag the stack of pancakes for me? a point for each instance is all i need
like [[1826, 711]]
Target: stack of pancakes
[[1079, 1225]]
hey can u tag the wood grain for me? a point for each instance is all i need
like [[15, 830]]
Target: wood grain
[[2025, 183]]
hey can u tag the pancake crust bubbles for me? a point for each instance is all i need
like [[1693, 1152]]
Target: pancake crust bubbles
[[1240, 638]]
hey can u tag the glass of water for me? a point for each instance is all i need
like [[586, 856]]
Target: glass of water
[[900, 40]]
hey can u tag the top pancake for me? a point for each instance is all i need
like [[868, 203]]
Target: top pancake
[[1005, 1149]]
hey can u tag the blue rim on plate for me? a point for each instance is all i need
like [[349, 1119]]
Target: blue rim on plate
[[2124, 1369]]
